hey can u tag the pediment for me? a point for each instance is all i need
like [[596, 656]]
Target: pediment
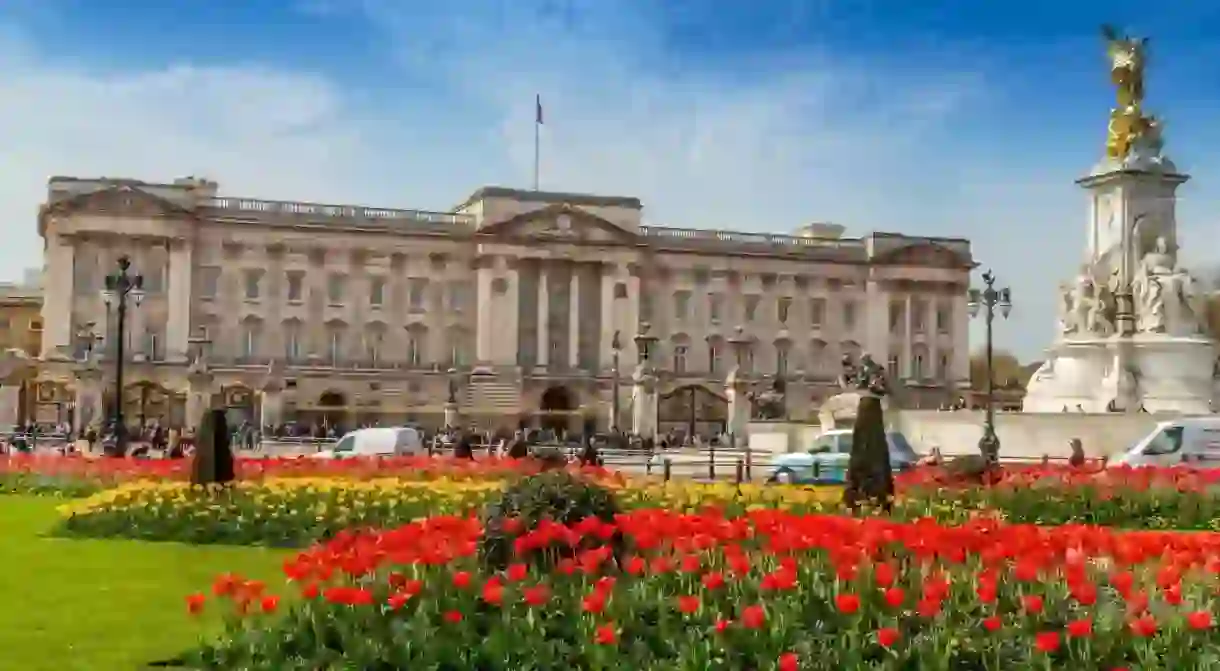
[[123, 200], [926, 254], [561, 223]]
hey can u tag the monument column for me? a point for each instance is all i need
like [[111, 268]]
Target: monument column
[[605, 336], [544, 316], [908, 336], [487, 325], [876, 320], [271, 397], [178, 298], [57, 295], [574, 318]]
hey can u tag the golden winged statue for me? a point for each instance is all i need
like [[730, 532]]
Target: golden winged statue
[[1129, 126]]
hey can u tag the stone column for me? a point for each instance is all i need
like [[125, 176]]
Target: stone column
[[876, 321], [487, 326], [506, 332], [574, 319], [907, 366], [178, 298], [544, 317], [605, 337], [57, 294], [960, 363]]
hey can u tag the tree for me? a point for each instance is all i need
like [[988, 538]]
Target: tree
[[1007, 370], [1213, 315]]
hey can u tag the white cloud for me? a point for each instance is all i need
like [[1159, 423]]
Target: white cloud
[[764, 145]]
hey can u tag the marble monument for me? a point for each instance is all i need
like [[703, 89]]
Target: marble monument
[[1132, 322]]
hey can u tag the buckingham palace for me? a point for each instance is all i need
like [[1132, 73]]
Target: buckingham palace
[[517, 307]]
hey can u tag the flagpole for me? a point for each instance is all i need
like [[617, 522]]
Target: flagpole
[[537, 136]]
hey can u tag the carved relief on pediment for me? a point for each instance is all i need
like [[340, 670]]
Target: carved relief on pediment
[[925, 254], [561, 223], [120, 200]]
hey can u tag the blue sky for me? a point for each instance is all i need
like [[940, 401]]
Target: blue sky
[[954, 118]]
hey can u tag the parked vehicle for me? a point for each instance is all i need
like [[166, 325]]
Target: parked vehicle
[[825, 462], [375, 442], [1192, 441]]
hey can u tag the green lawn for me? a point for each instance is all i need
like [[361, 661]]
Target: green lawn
[[68, 605]]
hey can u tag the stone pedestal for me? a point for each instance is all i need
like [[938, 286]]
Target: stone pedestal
[[1131, 331], [10, 402], [452, 416], [270, 408], [88, 408], [1145, 371], [796, 398], [198, 397], [644, 403], [271, 398], [737, 390]]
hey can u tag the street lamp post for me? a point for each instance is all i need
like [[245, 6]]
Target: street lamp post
[[986, 301], [121, 285], [616, 347]]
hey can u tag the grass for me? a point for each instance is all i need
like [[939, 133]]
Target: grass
[[89, 605]]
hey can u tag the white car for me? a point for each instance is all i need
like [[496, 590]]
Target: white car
[[825, 462], [376, 442], [1193, 441]]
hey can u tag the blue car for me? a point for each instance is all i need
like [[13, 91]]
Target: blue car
[[825, 462]]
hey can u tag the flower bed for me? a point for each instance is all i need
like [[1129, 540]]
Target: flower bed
[[771, 590], [76, 476], [282, 512], [297, 511], [1145, 498]]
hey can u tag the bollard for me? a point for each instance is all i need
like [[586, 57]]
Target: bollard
[[668, 469], [741, 470], [817, 469], [711, 462]]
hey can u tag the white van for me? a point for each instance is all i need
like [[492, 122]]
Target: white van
[[1191, 441], [376, 442]]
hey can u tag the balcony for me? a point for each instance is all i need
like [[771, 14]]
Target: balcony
[[378, 216]]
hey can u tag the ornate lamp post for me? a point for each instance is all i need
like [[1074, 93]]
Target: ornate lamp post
[[616, 348], [986, 301], [120, 286], [451, 405]]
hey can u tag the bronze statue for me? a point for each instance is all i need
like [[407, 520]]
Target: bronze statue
[[1128, 57], [1129, 127]]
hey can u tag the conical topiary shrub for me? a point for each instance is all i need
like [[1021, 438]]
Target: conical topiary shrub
[[869, 478], [213, 460]]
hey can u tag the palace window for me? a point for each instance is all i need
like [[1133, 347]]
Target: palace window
[[680, 359], [296, 279], [376, 292]]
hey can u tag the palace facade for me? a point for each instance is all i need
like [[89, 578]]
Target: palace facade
[[291, 311]]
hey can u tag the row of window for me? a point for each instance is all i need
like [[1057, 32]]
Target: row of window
[[716, 304], [820, 361], [457, 293], [251, 345]]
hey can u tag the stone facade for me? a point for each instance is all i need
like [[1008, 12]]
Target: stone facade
[[370, 314]]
